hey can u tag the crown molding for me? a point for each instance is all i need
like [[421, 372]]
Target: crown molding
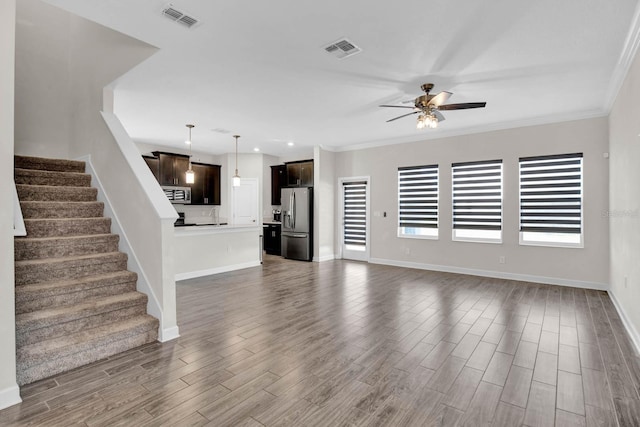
[[490, 127], [627, 56]]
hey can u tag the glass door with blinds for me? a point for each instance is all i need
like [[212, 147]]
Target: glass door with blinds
[[355, 218]]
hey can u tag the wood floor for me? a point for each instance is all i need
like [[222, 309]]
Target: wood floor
[[346, 343]]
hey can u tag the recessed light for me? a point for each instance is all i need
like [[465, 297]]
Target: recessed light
[[290, 144], [256, 149]]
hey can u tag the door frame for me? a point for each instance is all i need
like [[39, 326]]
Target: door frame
[[366, 255]]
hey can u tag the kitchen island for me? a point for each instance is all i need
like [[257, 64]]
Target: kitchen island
[[202, 250]]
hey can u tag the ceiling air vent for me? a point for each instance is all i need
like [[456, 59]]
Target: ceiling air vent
[[178, 16], [342, 48]]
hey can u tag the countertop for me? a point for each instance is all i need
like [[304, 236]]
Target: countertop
[[203, 229], [272, 222]]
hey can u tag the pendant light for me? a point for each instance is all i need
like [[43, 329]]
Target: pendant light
[[236, 177], [190, 176]]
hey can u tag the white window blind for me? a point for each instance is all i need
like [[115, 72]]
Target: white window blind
[[418, 201], [355, 213], [551, 199], [477, 200]]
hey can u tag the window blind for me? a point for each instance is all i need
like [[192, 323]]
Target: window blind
[[418, 196], [551, 193], [477, 195], [355, 213]]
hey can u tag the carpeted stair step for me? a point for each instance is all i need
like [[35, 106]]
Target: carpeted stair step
[[35, 209], [58, 321], [43, 177], [40, 163], [52, 193], [50, 357], [39, 296], [60, 227], [58, 247], [54, 269]]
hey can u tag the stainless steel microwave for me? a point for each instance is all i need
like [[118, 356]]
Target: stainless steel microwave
[[178, 195]]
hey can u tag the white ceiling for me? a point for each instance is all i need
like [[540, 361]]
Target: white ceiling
[[258, 68]]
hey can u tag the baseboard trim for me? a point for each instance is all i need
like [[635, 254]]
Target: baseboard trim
[[217, 270], [169, 334], [493, 274], [10, 396], [631, 330], [324, 258]]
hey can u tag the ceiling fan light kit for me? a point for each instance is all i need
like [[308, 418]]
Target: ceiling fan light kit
[[428, 107]]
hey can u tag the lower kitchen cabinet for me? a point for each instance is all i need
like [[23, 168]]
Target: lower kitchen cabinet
[[272, 238]]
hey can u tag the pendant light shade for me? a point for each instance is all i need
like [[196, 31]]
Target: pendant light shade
[[190, 176], [236, 177]]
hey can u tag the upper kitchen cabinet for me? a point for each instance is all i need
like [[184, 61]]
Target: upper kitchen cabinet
[[206, 187], [154, 165], [300, 174], [172, 168], [278, 180]]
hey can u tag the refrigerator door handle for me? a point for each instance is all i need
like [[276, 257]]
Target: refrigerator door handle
[[295, 235], [293, 209]]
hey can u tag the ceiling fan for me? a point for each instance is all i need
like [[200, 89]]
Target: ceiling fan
[[429, 107]]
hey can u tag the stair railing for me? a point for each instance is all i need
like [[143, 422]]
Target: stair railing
[[18, 222]]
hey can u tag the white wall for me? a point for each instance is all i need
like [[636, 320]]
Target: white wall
[[624, 199], [94, 57], [324, 193], [9, 392], [579, 267], [41, 130]]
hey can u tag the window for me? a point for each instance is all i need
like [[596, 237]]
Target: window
[[418, 201], [477, 201], [551, 200]]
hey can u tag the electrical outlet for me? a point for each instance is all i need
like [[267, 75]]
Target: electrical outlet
[[502, 259], [407, 251], [625, 281]]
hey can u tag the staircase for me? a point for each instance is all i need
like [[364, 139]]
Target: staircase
[[75, 300]]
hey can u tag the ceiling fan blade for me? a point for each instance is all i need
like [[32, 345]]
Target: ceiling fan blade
[[440, 98], [396, 106], [438, 115], [404, 115], [464, 106]]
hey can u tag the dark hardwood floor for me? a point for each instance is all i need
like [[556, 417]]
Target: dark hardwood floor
[[347, 343]]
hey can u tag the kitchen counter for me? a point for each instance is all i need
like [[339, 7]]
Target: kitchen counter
[[272, 222]]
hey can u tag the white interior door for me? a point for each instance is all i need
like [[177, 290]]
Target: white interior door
[[355, 218], [244, 205]]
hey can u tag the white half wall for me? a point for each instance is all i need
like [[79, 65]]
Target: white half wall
[[587, 265], [9, 391], [624, 201]]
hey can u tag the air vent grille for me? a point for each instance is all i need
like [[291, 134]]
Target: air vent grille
[[342, 49], [179, 16]]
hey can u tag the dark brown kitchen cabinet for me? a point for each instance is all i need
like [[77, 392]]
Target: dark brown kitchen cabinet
[[278, 180], [154, 165], [206, 187], [300, 174], [172, 168]]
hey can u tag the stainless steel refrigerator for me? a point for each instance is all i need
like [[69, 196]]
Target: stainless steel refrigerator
[[297, 223]]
